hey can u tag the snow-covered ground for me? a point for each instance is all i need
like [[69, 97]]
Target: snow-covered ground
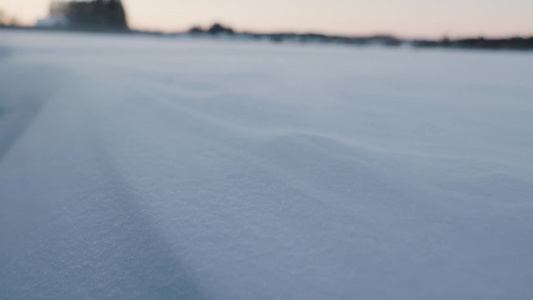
[[139, 167]]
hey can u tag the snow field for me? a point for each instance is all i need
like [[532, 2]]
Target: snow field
[[161, 168]]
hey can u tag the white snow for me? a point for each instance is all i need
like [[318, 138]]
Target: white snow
[[136, 167]]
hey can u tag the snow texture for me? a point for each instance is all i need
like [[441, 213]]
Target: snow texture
[[137, 167]]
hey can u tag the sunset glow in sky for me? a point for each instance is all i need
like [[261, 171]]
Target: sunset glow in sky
[[406, 18]]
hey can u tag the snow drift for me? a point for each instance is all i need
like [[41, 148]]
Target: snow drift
[[137, 167]]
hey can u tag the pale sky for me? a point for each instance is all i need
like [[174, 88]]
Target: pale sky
[[404, 18]]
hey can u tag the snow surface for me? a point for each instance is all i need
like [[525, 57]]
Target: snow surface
[[136, 167]]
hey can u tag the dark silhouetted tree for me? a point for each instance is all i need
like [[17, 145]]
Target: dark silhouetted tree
[[217, 29], [196, 30], [93, 15]]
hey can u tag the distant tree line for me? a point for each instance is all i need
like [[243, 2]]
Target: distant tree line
[[218, 29], [515, 43], [92, 15], [214, 29], [512, 43]]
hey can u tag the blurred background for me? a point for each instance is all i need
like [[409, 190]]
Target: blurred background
[[414, 19]]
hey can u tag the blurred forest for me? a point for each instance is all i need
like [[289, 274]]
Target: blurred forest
[[110, 15]]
